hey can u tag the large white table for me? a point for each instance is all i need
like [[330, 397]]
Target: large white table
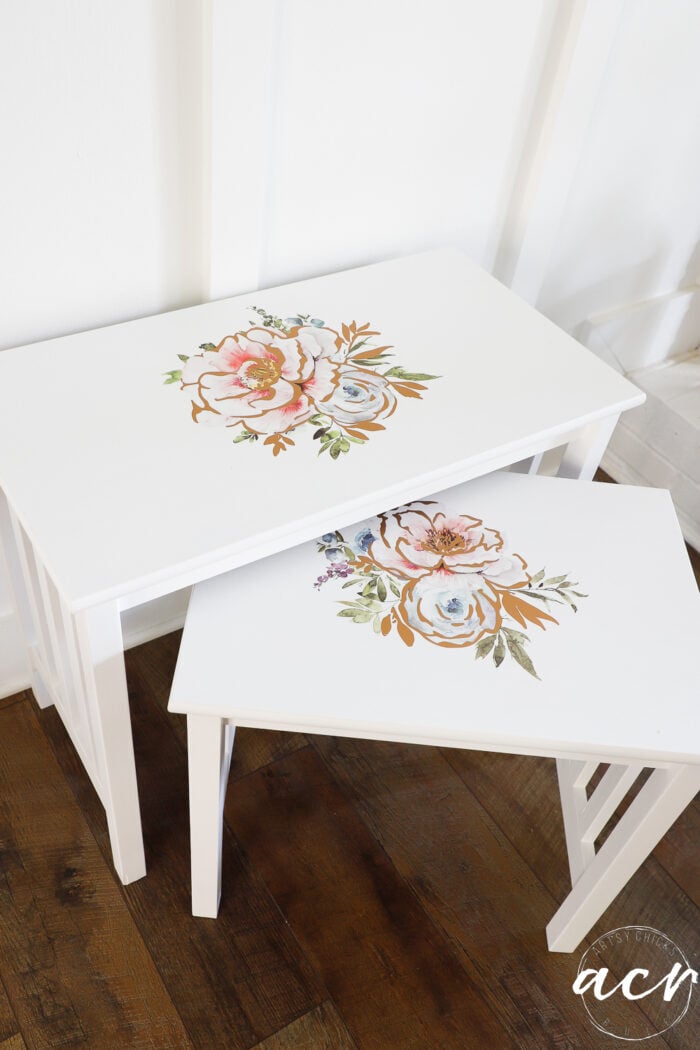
[[114, 496]]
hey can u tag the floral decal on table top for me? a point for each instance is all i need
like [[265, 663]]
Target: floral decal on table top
[[448, 578], [278, 376]]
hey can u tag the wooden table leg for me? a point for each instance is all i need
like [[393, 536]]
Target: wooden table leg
[[101, 651], [209, 744], [582, 456], [661, 800]]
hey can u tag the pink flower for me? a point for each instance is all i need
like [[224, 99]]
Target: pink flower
[[415, 540], [263, 379]]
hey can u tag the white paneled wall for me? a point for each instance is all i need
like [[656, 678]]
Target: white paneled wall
[[631, 229], [101, 183], [160, 152]]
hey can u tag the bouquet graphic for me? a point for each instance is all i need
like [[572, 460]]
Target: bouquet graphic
[[447, 578], [281, 376]]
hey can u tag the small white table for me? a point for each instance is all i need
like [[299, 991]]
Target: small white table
[[117, 490], [527, 615]]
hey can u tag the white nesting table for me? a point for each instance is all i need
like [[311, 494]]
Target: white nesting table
[[508, 614], [120, 488]]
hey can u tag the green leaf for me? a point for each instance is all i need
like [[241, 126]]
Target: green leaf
[[245, 435], [207, 346], [356, 441], [347, 612], [173, 377], [579, 595], [554, 580], [394, 588], [363, 617], [520, 656], [183, 357], [518, 635], [349, 583], [377, 623], [537, 577], [485, 646], [568, 599], [344, 445], [401, 373], [368, 590], [499, 652], [381, 590], [335, 450], [357, 345], [545, 598], [349, 553], [373, 362]]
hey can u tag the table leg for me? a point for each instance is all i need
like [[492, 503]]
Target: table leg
[[21, 567], [101, 651], [582, 456], [661, 800], [209, 744]]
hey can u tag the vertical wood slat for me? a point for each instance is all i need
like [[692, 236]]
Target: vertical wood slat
[[64, 693], [660, 801], [582, 41], [40, 653], [240, 218], [84, 728], [101, 648], [8, 546], [49, 630], [606, 798], [582, 456], [531, 465], [583, 774], [573, 777]]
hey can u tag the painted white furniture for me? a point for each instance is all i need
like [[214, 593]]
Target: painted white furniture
[[617, 681], [114, 496]]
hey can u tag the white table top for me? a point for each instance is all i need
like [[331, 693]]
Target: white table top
[[121, 492], [618, 677]]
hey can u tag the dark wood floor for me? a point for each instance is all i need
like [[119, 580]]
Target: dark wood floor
[[376, 896]]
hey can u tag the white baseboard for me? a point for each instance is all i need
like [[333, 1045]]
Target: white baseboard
[[140, 625], [14, 670], [640, 335]]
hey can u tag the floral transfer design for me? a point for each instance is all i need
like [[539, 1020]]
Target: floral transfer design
[[448, 578], [277, 376]]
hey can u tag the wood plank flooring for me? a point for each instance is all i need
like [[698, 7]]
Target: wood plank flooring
[[375, 896]]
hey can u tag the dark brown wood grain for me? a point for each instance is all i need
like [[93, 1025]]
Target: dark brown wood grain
[[395, 980], [15, 1042], [320, 1029], [237, 979], [9, 1026], [74, 965], [375, 896], [471, 881], [531, 820], [253, 750]]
